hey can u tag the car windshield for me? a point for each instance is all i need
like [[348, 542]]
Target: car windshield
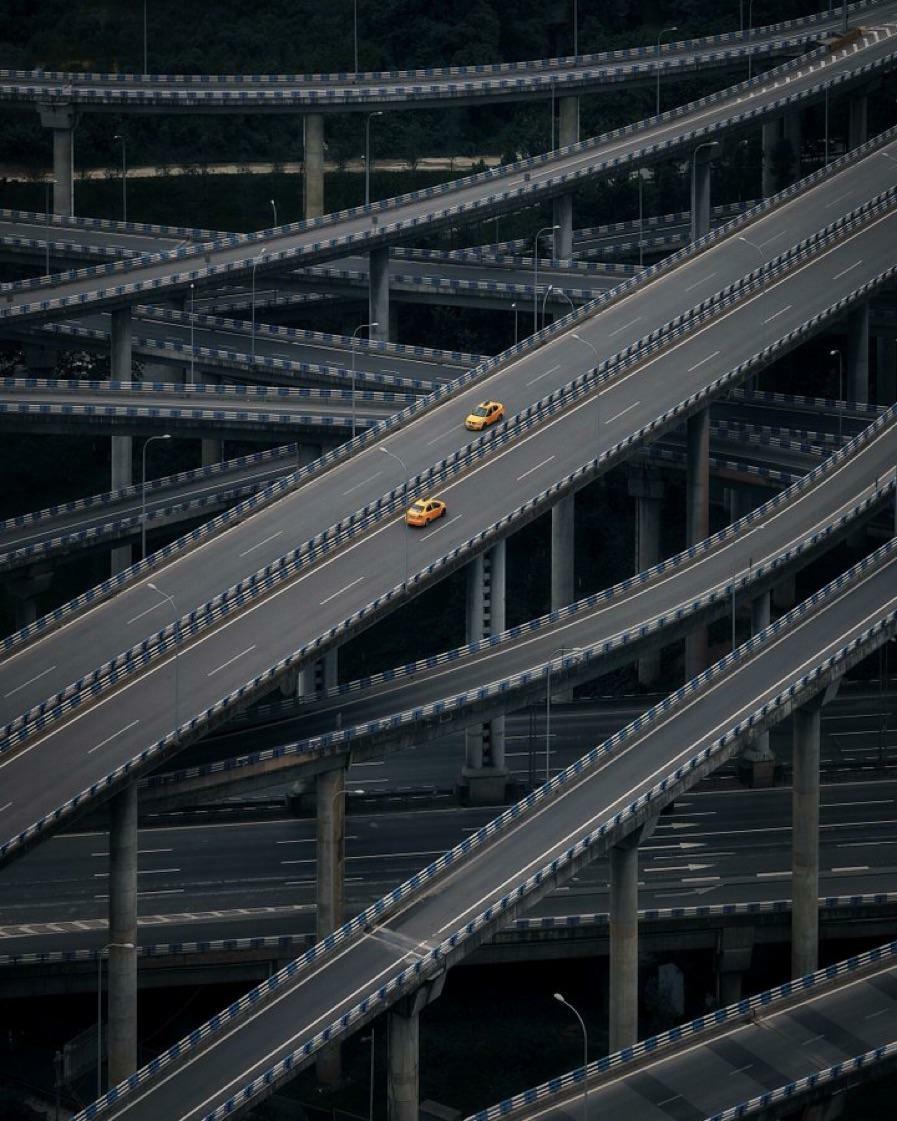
[[419, 505], [480, 410]]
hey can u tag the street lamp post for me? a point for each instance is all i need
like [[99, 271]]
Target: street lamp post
[[274, 208], [177, 642], [401, 463], [360, 327], [544, 230], [145, 70], [255, 261], [561, 292], [663, 31], [146, 444], [367, 155], [124, 177], [585, 1055], [192, 324], [559, 650], [548, 292], [592, 348], [837, 354]]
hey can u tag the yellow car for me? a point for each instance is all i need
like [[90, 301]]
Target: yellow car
[[489, 412], [424, 511]]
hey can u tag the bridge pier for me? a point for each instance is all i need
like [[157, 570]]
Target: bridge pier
[[378, 293], [647, 489], [770, 142], [793, 134], [330, 808], [858, 353], [697, 522], [484, 776], [314, 165], [122, 459], [805, 838], [733, 960], [62, 120], [403, 1073], [563, 585], [623, 967], [858, 120], [121, 1032], [562, 207], [211, 450], [885, 370], [757, 763], [700, 193]]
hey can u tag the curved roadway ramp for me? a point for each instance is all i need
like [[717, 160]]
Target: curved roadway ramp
[[408, 89], [438, 916], [509, 188], [770, 1053], [239, 644]]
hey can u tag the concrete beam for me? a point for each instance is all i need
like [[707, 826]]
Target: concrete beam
[[697, 521], [121, 1035], [314, 165]]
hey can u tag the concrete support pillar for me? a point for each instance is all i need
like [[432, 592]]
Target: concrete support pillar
[[122, 446], [885, 370], [623, 1003], [23, 587], [828, 1110], [484, 776], [757, 763], [733, 960], [647, 489], [568, 133], [121, 1033], [378, 293], [770, 143], [314, 165], [330, 790], [784, 594], [562, 214], [316, 678], [563, 588], [700, 194], [122, 475], [857, 126], [404, 1063], [793, 134], [805, 840], [697, 521], [858, 353], [212, 451], [62, 120]]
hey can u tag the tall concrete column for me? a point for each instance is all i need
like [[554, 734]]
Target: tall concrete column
[[623, 1003], [122, 446], [697, 521], [857, 126], [805, 840], [700, 194], [121, 1033], [378, 293], [315, 679], [733, 960], [23, 587], [404, 1063], [212, 450], [314, 165], [485, 775], [793, 134], [568, 133], [647, 489], [885, 370], [330, 791], [62, 120], [770, 142], [858, 353], [757, 763], [563, 588]]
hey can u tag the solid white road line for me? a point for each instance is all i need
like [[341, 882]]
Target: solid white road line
[[536, 468], [341, 590], [252, 548], [230, 661], [114, 735], [25, 684]]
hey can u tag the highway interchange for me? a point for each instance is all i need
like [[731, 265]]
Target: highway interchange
[[567, 439]]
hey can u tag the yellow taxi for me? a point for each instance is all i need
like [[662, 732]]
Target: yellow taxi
[[424, 511], [489, 412]]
